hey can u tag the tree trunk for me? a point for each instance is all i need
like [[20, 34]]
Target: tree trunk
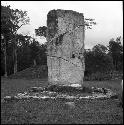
[[34, 62], [15, 56], [5, 55], [15, 61]]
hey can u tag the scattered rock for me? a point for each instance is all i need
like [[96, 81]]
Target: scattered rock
[[64, 92], [36, 89], [70, 104]]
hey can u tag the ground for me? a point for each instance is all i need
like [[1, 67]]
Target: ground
[[49, 111]]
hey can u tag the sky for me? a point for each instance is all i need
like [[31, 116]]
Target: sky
[[107, 14]]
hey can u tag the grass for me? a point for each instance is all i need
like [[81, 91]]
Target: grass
[[49, 111]]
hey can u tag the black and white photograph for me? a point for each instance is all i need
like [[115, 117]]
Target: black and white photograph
[[61, 62]]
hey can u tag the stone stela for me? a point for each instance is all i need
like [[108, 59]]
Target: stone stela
[[65, 48]]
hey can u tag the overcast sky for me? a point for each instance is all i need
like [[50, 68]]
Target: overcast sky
[[107, 14]]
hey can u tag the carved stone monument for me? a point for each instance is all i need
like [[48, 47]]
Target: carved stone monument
[[65, 49]]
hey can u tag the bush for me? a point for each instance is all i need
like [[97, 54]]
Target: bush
[[98, 76]]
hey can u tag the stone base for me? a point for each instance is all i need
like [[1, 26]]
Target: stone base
[[59, 83], [65, 72]]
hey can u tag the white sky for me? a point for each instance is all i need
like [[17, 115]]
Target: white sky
[[107, 14]]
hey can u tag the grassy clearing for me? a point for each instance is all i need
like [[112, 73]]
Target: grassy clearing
[[10, 87], [56, 111]]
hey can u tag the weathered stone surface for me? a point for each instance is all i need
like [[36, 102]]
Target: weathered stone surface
[[65, 36]]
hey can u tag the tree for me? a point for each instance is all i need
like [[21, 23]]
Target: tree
[[14, 21], [30, 52], [19, 18], [24, 52], [34, 46], [42, 54], [5, 32], [97, 60], [116, 51], [103, 62], [100, 49]]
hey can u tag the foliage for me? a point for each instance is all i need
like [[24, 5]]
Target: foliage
[[97, 60], [89, 22], [41, 31], [42, 58], [28, 49], [100, 49], [11, 21], [6, 24], [101, 61], [23, 51], [97, 63], [116, 52]]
